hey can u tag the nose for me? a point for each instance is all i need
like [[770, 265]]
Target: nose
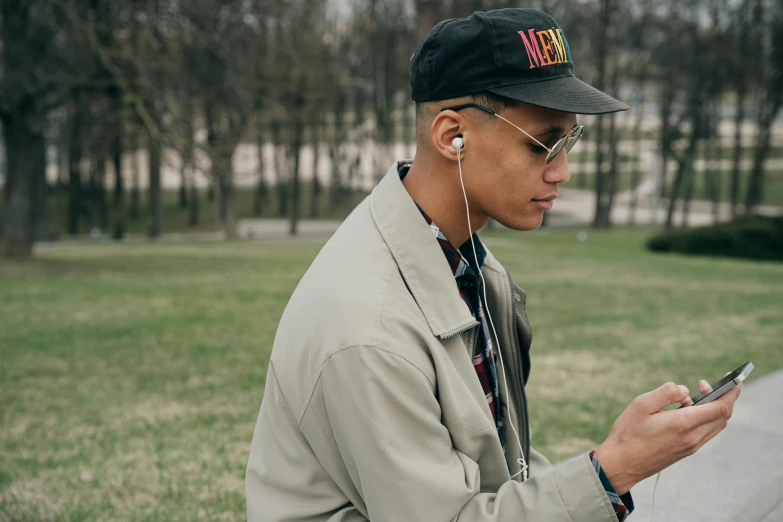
[[558, 171]]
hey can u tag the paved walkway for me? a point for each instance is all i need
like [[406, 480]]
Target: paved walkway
[[737, 476]]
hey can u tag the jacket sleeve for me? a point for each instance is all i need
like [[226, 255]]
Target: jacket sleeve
[[386, 421]]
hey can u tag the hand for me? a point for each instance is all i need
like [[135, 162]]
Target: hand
[[645, 440]]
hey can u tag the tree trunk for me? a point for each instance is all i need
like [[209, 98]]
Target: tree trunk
[[666, 102], [224, 176], [636, 163], [297, 149], [60, 209], [119, 194], [21, 80], [186, 158], [25, 150], [155, 210], [674, 194], [606, 208], [599, 176], [770, 101], [101, 201], [755, 191], [739, 116], [688, 161], [686, 199], [182, 198], [712, 166], [90, 198], [133, 211], [581, 175], [193, 206], [222, 201], [602, 51], [75, 191], [335, 188], [409, 128], [684, 169], [314, 202], [768, 112], [260, 194], [281, 170]]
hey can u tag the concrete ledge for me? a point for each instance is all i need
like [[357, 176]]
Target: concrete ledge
[[738, 475]]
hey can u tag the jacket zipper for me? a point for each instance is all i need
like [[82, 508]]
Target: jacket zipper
[[459, 331], [520, 371]]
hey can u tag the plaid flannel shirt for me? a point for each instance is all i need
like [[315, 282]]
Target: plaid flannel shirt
[[463, 266]]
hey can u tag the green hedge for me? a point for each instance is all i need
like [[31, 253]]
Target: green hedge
[[749, 237]]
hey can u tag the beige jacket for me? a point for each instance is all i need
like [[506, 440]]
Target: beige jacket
[[372, 408]]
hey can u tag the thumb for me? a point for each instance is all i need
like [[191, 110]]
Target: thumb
[[666, 394]]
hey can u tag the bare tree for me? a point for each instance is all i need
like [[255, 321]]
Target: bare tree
[[769, 101], [25, 97]]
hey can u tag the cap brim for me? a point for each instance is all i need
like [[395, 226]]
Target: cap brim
[[566, 94]]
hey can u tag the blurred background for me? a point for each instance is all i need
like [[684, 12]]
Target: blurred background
[[151, 117], [170, 168]]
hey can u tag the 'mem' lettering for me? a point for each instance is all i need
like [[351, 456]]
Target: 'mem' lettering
[[559, 47], [565, 44], [546, 47], [531, 50]]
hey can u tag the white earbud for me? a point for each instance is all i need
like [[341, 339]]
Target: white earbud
[[457, 142]]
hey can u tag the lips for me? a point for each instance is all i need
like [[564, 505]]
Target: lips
[[548, 198]]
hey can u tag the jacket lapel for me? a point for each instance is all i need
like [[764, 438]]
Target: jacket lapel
[[419, 257]]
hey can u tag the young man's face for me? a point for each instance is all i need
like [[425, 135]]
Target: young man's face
[[511, 169]]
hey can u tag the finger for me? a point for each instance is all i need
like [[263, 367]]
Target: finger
[[666, 394], [704, 413], [730, 397], [708, 431], [704, 386], [687, 402]]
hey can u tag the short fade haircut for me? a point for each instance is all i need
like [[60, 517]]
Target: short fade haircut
[[491, 101], [426, 111]]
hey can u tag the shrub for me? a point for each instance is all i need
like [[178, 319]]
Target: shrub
[[749, 237]]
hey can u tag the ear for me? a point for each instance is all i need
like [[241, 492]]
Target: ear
[[446, 126]]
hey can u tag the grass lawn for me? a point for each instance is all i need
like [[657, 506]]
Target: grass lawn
[[132, 374]]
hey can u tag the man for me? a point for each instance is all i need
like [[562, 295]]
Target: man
[[395, 389]]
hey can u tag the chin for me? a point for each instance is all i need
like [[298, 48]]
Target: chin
[[524, 223]]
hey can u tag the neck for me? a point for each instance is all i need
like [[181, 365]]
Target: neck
[[438, 191]]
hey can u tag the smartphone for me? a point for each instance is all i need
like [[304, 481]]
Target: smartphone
[[724, 385]]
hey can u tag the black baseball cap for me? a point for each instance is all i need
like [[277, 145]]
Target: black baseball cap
[[521, 54]]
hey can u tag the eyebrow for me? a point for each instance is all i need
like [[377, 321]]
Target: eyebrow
[[552, 129]]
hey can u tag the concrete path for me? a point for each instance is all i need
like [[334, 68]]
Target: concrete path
[[737, 476], [264, 228]]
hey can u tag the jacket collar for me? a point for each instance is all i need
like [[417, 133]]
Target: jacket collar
[[419, 258]]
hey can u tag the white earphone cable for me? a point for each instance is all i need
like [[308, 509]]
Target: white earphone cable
[[655, 489], [457, 144], [521, 460]]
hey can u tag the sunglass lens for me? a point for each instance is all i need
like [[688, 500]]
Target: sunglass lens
[[556, 150], [572, 141]]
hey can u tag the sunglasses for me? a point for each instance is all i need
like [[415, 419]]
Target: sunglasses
[[567, 142]]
